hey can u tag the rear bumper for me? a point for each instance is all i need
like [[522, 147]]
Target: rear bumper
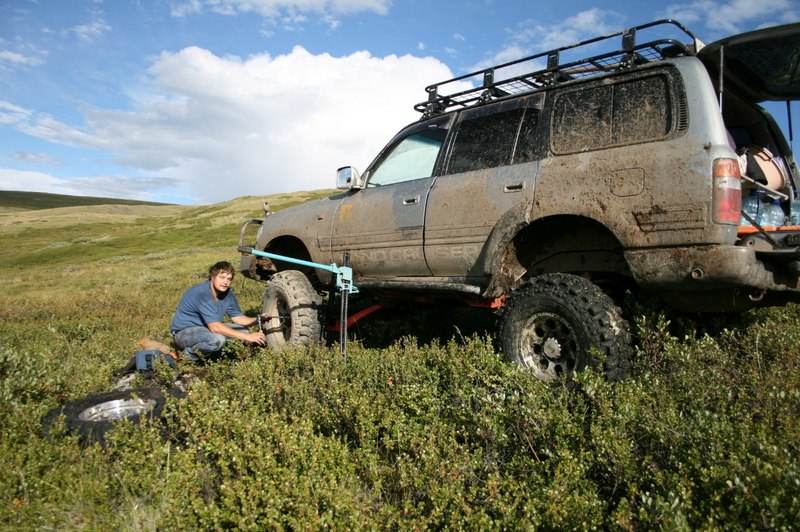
[[710, 268]]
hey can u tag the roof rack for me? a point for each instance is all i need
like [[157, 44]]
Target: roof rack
[[629, 55]]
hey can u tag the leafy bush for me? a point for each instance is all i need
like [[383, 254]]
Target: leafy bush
[[425, 426]]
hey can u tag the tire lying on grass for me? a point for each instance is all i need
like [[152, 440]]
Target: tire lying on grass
[[293, 306], [550, 325], [91, 417]]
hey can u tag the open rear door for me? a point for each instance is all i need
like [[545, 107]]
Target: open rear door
[[761, 65]]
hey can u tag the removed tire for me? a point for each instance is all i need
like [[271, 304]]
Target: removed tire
[[91, 417], [551, 324], [293, 306]]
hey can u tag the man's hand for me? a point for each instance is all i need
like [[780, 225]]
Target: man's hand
[[225, 330], [256, 338]]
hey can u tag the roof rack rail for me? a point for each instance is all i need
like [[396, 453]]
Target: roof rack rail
[[630, 54]]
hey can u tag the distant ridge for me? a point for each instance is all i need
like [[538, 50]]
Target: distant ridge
[[11, 199]]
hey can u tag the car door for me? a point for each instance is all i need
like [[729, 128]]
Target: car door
[[491, 170], [381, 226]]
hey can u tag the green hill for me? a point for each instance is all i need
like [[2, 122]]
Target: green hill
[[11, 199], [80, 236]]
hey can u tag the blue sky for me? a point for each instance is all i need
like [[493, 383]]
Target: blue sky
[[201, 101]]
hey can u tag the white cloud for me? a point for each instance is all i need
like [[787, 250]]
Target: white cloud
[[273, 8], [734, 16], [531, 37], [12, 114], [47, 128], [116, 186], [509, 53], [186, 8], [19, 59], [584, 25], [333, 22], [11, 179], [90, 31], [222, 127], [720, 18], [20, 54], [36, 158]]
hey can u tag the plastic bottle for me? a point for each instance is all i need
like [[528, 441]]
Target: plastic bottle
[[773, 215], [794, 210], [751, 204]]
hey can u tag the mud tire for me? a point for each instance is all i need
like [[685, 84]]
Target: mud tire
[[91, 417], [550, 325], [294, 305]]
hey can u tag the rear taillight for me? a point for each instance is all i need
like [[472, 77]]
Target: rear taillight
[[727, 191]]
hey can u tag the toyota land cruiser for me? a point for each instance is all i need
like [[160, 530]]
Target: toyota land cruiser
[[550, 187]]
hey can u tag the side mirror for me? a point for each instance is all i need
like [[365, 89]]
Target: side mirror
[[348, 177]]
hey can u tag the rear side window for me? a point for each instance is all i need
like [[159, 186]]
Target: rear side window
[[487, 136], [627, 112]]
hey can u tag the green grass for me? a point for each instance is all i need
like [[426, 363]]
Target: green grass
[[428, 431]]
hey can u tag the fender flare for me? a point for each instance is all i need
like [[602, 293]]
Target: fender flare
[[495, 261]]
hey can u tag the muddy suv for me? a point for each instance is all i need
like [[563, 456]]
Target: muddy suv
[[549, 187]]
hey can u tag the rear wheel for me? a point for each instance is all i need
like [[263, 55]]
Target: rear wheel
[[550, 325], [293, 307]]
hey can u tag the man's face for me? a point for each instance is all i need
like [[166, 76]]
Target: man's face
[[221, 282]]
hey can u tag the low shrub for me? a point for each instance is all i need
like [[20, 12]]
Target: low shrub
[[423, 427]]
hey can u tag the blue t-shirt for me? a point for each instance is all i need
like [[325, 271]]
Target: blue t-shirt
[[197, 307]]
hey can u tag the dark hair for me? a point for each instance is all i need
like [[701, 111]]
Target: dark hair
[[221, 266]]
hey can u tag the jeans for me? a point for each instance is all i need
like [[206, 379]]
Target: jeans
[[194, 340]]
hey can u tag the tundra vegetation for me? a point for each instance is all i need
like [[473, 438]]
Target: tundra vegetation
[[424, 427]]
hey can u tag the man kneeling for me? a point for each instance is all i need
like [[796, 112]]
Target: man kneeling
[[197, 326]]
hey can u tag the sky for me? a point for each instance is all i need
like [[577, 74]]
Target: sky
[[202, 101]]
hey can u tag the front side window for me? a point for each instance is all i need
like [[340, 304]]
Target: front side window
[[414, 157]]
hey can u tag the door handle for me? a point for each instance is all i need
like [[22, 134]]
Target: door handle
[[516, 187], [413, 200]]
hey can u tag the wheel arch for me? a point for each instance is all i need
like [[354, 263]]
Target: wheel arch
[[558, 244], [290, 246]]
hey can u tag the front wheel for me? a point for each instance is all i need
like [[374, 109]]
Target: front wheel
[[292, 305], [550, 325]]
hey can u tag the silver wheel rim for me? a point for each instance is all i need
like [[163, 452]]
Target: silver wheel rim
[[117, 409], [549, 347]]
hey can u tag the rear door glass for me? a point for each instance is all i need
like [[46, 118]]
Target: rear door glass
[[487, 137]]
